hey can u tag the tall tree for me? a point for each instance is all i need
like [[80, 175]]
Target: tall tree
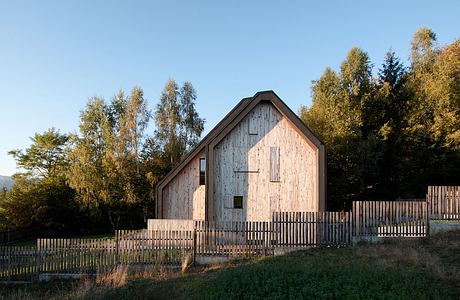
[[105, 167], [178, 124], [390, 136], [423, 49], [337, 116], [392, 97]]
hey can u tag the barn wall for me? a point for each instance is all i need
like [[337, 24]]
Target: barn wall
[[242, 168], [183, 197]]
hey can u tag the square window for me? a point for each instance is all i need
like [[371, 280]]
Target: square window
[[237, 201]]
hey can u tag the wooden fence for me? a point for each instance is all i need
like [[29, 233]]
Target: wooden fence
[[164, 247], [390, 218], [170, 224], [300, 229], [79, 256], [89, 256], [171, 247], [18, 263], [444, 202], [233, 238], [286, 229]]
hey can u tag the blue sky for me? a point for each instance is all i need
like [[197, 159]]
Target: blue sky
[[54, 55]]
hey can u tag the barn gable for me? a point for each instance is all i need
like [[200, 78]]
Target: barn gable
[[256, 127]]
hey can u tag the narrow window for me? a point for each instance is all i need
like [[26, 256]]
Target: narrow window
[[274, 164], [237, 201], [253, 124], [202, 171]]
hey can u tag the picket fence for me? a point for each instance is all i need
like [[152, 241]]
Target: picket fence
[[18, 264], [286, 230], [299, 229], [390, 218], [172, 247], [444, 202]]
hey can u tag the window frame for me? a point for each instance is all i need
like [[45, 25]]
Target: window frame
[[238, 198], [202, 172]]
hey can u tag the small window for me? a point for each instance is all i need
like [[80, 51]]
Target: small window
[[202, 171], [253, 124], [237, 201], [274, 164]]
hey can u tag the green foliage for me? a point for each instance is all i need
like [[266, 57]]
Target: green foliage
[[342, 105], [40, 198], [46, 204], [393, 135], [107, 172], [105, 159], [178, 125], [45, 157], [423, 52]]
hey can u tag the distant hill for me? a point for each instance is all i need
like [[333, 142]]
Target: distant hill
[[6, 181]]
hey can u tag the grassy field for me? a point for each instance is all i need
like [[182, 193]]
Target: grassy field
[[396, 269]]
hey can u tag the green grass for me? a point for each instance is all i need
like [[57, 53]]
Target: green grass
[[395, 269]]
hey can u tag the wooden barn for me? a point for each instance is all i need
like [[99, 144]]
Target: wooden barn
[[260, 159]]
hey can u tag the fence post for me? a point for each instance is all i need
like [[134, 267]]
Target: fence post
[[427, 217], [194, 244], [37, 253], [9, 270], [116, 248]]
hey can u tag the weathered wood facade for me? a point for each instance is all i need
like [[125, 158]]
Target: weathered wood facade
[[259, 159], [185, 196]]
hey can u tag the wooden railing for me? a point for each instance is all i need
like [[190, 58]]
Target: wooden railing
[[390, 218], [444, 202]]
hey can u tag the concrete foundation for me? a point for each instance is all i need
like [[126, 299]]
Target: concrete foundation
[[54, 276], [443, 226], [286, 250], [207, 260]]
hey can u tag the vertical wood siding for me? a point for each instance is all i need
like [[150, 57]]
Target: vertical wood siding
[[183, 197], [242, 167]]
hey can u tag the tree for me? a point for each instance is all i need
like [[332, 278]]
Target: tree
[[391, 98], [45, 157], [423, 51], [40, 198], [337, 115], [390, 136], [105, 168], [178, 124]]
